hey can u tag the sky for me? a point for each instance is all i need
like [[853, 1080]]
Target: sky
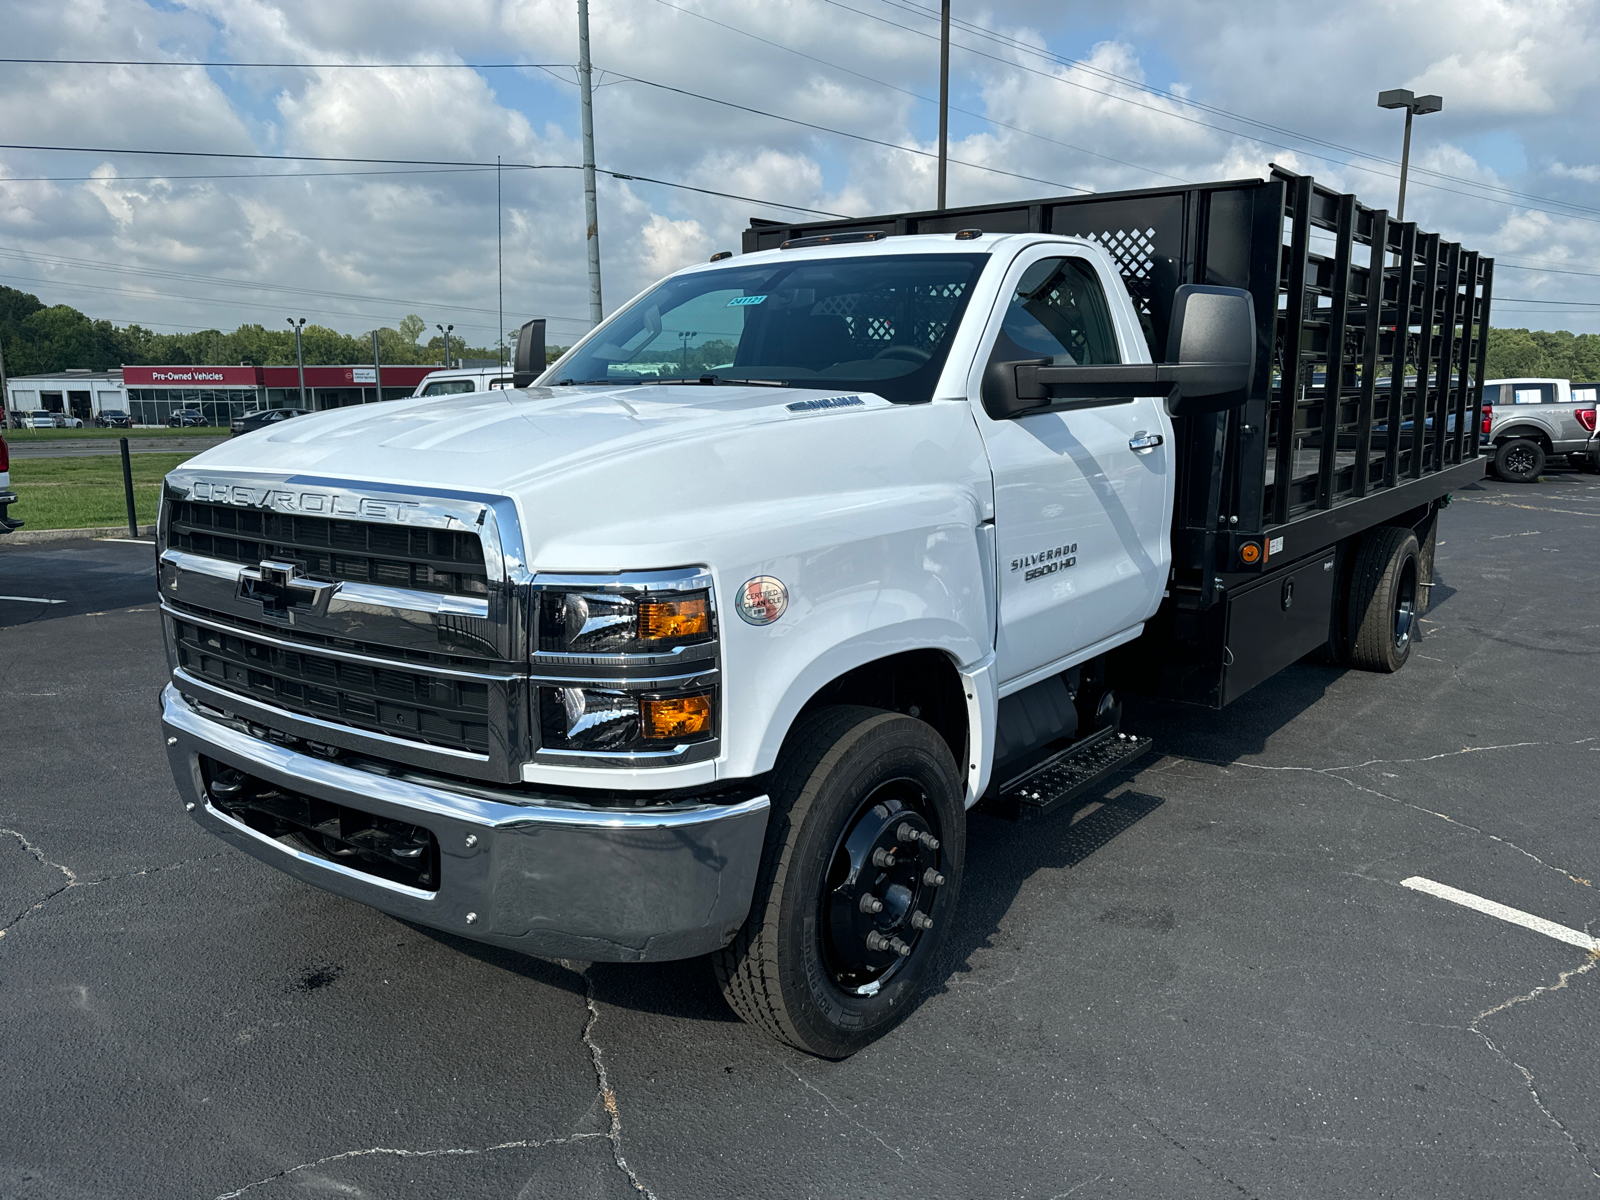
[[1047, 99]]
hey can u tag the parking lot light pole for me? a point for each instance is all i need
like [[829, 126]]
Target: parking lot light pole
[[299, 358], [1413, 104], [445, 329]]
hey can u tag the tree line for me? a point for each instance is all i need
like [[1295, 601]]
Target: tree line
[[36, 338]]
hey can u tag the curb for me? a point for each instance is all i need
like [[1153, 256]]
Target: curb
[[33, 536]]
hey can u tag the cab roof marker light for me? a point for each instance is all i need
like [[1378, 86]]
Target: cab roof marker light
[[834, 239], [966, 235]]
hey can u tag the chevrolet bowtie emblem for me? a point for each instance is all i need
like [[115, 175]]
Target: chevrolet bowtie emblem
[[281, 587]]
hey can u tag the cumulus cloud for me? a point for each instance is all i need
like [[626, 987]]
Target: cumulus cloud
[[368, 247]]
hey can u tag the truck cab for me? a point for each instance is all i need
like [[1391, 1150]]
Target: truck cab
[[705, 640], [459, 381]]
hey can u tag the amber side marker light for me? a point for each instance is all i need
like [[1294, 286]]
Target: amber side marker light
[[663, 619], [682, 716], [1249, 552]]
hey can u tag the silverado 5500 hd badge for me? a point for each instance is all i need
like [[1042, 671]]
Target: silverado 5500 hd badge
[[1047, 562]]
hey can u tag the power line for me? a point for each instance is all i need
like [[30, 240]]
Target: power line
[[859, 137], [429, 162], [1069, 82], [319, 66], [908, 92], [251, 175], [94, 264]]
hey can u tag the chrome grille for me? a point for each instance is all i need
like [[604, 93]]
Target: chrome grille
[[435, 709], [447, 561]]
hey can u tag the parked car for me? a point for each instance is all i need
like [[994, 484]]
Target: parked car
[[261, 418], [183, 418], [1527, 422], [461, 380], [113, 418], [43, 418], [7, 496]]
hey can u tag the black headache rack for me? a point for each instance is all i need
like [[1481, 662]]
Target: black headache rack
[[1397, 319]]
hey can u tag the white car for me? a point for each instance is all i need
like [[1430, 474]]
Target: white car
[[43, 418], [464, 380]]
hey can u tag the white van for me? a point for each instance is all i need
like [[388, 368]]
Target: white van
[[457, 380]]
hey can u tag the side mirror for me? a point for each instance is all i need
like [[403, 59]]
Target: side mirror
[[1212, 342], [529, 362], [1211, 359]]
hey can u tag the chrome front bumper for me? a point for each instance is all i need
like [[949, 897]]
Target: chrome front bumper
[[550, 879]]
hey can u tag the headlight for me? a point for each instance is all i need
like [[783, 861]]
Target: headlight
[[600, 719], [580, 622]]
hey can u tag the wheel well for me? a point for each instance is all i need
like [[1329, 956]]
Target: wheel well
[[922, 680], [1532, 433]]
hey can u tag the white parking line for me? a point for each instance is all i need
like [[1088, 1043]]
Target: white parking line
[[1561, 933], [129, 541], [32, 600]]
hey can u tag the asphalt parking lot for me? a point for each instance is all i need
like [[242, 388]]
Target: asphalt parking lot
[[1213, 986]]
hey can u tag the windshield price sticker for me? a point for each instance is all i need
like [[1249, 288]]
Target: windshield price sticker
[[740, 301]]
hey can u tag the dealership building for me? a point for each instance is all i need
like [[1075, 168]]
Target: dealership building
[[152, 394]]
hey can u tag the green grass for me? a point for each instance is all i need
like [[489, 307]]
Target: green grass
[[81, 493], [144, 431]]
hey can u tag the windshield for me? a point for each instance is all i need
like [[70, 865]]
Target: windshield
[[878, 324]]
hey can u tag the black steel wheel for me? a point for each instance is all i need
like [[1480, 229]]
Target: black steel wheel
[[1385, 612], [1521, 460], [858, 882]]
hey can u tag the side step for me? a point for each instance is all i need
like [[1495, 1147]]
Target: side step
[[1064, 777]]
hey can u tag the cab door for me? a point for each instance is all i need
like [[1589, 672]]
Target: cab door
[[1083, 498]]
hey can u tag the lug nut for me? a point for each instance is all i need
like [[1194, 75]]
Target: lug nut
[[932, 878], [928, 840], [921, 920], [877, 942], [882, 858], [871, 904], [907, 833], [899, 947]]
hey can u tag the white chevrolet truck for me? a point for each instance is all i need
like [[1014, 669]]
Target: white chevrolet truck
[[704, 640]]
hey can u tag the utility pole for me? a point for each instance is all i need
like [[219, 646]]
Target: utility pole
[[591, 212], [377, 367], [500, 267], [299, 358], [944, 95], [5, 396]]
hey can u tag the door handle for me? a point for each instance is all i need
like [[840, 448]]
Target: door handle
[[1142, 442]]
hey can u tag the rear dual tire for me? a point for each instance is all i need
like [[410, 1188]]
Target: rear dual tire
[[867, 809], [1387, 591]]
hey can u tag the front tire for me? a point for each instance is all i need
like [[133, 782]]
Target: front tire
[[858, 883], [1521, 460]]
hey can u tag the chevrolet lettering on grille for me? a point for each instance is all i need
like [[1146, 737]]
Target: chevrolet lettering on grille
[[281, 587]]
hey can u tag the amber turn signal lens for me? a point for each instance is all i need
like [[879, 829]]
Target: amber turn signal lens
[[1249, 552], [682, 716], [664, 619]]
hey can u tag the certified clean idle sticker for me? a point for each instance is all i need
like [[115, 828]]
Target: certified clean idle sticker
[[762, 600]]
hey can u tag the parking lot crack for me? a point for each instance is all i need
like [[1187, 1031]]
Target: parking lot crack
[[1183, 1148], [829, 1101], [1580, 1154], [72, 880], [1338, 773], [608, 1095], [394, 1152]]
